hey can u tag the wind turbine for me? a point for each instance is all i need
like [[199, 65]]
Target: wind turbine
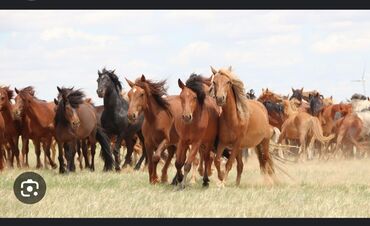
[[362, 80]]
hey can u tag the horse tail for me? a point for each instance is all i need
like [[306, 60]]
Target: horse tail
[[105, 152], [318, 133]]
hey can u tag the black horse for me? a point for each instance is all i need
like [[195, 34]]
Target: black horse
[[114, 117], [316, 104]]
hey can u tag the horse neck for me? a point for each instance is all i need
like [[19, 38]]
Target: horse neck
[[40, 113], [229, 110], [152, 109], [7, 113], [290, 110], [113, 99]]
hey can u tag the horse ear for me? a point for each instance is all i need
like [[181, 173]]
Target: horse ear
[[99, 73], [292, 90], [214, 71], [302, 90], [16, 90], [230, 68], [180, 83], [131, 84], [56, 101], [143, 78], [331, 97], [267, 89], [263, 90], [59, 89]]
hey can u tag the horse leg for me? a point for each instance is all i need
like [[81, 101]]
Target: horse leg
[[84, 153], [17, 152], [37, 144], [189, 161], [180, 160], [149, 155], [130, 149], [171, 153], [1, 157], [62, 168], [220, 149], [229, 164], [93, 149], [47, 153], [143, 152], [157, 157], [117, 147], [239, 167], [53, 150], [25, 150], [78, 151], [207, 166]]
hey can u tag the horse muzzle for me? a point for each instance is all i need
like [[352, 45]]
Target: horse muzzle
[[100, 93], [220, 100], [188, 118], [132, 117]]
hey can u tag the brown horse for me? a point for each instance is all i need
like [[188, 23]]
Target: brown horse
[[12, 126], [2, 143], [243, 123], [197, 126], [275, 109], [303, 127], [147, 97], [75, 120], [40, 127]]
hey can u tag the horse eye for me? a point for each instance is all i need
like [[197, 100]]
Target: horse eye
[[229, 82], [141, 95]]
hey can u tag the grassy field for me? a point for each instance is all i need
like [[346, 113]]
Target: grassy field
[[319, 189]]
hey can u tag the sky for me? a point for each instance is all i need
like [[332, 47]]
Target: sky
[[275, 49]]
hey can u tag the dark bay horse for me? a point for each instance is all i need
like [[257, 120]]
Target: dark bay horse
[[75, 120], [243, 123], [147, 98], [114, 117], [37, 123], [12, 126], [197, 126]]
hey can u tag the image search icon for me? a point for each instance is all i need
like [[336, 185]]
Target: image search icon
[[29, 187]]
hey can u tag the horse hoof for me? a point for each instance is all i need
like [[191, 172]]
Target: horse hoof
[[205, 184], [137, 167], [62, 170], [181, 187], [221, 184], [54, 166]]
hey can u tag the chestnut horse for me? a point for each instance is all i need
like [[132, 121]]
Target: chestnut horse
[[75, 120], [38, 124], [12, 126], [303, 127], [147, 98], [243, 123], [197, 126]]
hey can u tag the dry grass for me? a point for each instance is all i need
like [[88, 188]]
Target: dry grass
[[320, 189]]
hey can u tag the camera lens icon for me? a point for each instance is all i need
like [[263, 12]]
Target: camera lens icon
[[29, 187]]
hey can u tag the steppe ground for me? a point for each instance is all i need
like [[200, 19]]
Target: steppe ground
[[335, 188]]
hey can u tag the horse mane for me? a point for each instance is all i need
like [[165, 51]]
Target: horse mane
[[29, 90], [73, 97], [238, 89], [157, 90], [273, 107], [114, 78], [9, 92], [195, 83], [358, 96]]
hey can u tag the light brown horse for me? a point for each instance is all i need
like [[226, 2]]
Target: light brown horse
[[40, 127], [243, 123], [147, 97], [197, 126], [12, 126], [303, 127]]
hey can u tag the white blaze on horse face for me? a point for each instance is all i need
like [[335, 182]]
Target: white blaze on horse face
[[134, 90]]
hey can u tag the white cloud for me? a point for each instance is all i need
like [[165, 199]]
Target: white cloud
[[191, 52], [343, 42]]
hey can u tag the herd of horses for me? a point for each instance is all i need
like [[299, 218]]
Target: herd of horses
[[213, 118]]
